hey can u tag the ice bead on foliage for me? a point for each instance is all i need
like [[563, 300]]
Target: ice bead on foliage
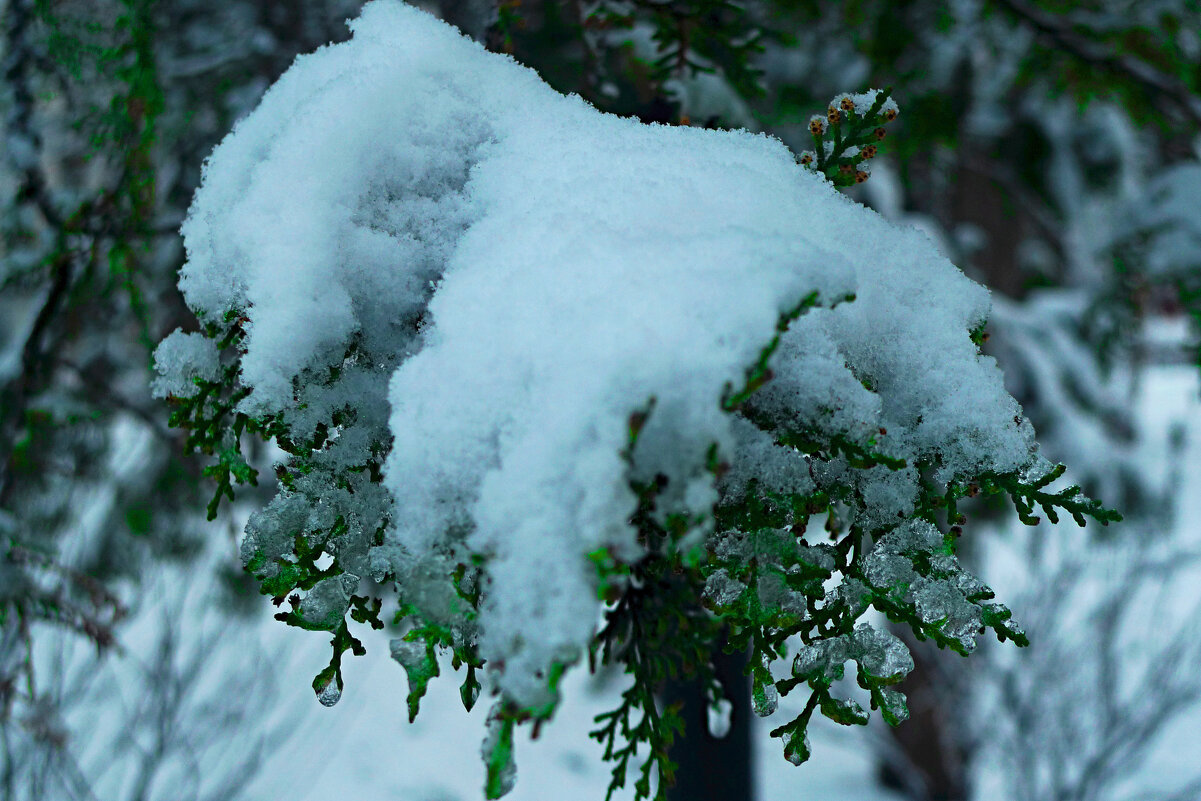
[[906, 564], [516, 273], [879, 653], [325, 605], [723, 590]]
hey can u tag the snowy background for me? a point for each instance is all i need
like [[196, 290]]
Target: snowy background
[[138, 662]]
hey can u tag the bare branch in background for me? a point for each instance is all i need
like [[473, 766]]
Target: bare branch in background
[[1082, 709], [164, 711]]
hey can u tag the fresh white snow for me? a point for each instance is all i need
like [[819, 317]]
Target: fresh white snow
[[522, 273]]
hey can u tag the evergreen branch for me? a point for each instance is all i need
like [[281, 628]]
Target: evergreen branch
[[844, 140], [1028, 494], [656, 630], [1168, 92], [758, 373]]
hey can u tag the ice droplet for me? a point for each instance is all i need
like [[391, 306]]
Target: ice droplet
[[330, 694], [719, 717], [326, 603], [881, 653], [764, 698], [796, 751]]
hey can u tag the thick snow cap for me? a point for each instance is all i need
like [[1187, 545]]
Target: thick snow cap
[[538, 271]]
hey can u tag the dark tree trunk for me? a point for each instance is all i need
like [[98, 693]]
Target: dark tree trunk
[[929, 760], [711, 768]]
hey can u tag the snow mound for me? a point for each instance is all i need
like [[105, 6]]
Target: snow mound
[[518, 273]]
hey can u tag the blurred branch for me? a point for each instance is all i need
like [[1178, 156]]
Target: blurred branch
[[34, 367], [190, 704], [32, 188], [1169, 92], [101, 391], [19, 56]]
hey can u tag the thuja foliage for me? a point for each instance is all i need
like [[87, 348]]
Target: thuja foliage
[[762, 579], [691, 36], [591, 51], [848, 136], [776, 541]]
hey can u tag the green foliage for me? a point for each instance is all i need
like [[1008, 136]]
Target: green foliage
[[1146, 68], [779, 595], [691, 36], [655, 627], [848, 137], [1030, 493], [498, 757], [656, 631], [214, 426], [417, 654], [759, 583], [599, 53], [754, 576]]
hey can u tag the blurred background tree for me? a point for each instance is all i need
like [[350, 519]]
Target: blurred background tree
[[109, 109], [1049, 148]]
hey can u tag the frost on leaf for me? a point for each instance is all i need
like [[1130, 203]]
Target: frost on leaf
[[721, 589], [184, 362]]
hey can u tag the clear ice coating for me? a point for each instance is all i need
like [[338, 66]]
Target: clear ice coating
[[408, 653], [765, 698], [794, 751], [892, 704], [880, 654], [722, 589], [946, 597], [325, 605], [330, 693]]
